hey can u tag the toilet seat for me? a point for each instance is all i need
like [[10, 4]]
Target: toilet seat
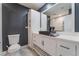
[[13, 48]]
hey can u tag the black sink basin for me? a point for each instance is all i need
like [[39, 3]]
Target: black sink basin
[[44, 32]]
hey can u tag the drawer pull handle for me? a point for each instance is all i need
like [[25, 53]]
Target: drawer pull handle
[[64, 47]]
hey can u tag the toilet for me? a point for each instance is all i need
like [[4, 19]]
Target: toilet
[[13, 41]]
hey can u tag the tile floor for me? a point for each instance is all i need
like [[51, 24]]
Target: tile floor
[[24, 51]]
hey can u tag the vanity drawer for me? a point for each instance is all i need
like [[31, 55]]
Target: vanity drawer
[[65, 48]]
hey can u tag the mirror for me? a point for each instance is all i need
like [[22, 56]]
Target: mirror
[[62, 18], [61, 23], [58, 23]]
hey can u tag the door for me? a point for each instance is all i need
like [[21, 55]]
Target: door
[[38, 40]]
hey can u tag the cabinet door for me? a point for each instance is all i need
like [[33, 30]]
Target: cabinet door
[[41, 37], [38, 41], [50, 45], [65, 48]]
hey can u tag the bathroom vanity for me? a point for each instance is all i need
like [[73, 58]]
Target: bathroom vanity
[[63, 45], [66, 44]]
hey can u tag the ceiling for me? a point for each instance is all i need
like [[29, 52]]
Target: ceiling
[[58, 9], [34, 6]]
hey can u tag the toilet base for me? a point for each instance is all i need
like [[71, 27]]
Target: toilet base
[[14, 48]]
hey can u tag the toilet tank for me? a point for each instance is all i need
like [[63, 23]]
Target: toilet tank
[[13, 39]]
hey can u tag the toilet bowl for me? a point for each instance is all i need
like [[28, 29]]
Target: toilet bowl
[[13, 41]]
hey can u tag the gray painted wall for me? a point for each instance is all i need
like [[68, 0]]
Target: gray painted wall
[[14, 17], [0, 24], [77, 17]]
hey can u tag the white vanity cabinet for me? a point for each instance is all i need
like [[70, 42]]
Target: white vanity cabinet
[[46, 43], [50, 46], [65, 48], [56, 46]]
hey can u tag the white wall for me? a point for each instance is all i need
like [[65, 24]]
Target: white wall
[[43, 22], [69, 21], [35, 21], [0, 23]]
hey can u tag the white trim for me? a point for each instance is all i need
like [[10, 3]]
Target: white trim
[[73, 15]]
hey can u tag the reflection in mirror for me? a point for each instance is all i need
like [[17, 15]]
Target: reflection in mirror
[[62, 20], [62, 17], [57, 23]]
